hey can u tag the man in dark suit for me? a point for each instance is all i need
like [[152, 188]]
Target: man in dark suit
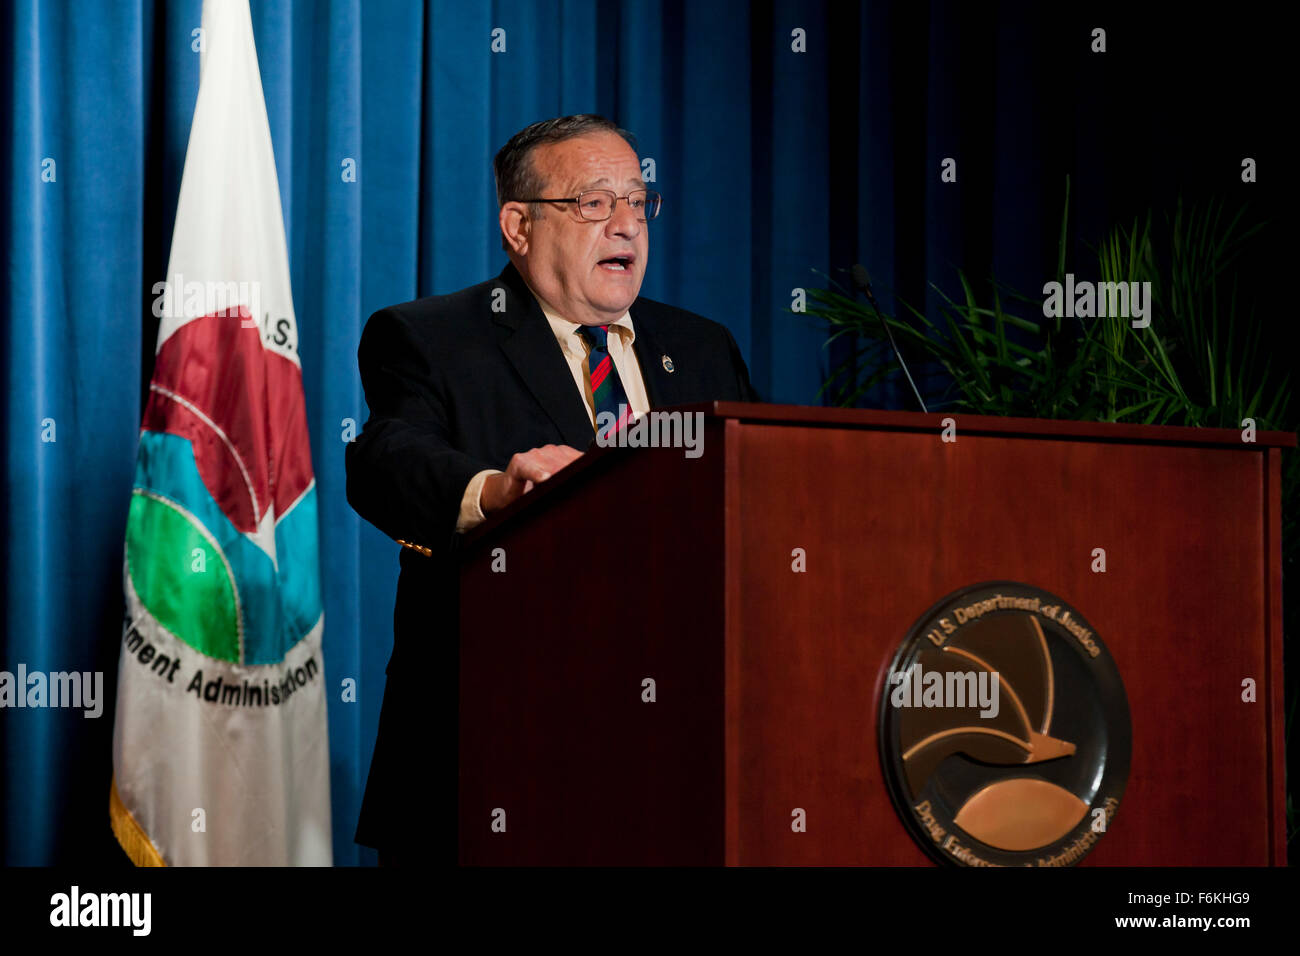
[[476, 396]]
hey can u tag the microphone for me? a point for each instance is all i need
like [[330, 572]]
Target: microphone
[[863, 282]]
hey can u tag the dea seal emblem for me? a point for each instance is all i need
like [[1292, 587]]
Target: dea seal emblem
[[1004, 730]]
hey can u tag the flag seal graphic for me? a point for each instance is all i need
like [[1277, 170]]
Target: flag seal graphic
[[220, 751]]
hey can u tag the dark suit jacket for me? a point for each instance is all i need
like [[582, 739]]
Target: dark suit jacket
[[456, 384]]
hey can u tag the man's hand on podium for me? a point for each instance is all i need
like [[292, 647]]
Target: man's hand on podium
[[525, 469]]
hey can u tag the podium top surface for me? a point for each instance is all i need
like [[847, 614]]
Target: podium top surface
[[807, 416], [855, 418]]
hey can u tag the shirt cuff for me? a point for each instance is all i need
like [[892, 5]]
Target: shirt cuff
[[471, 508]]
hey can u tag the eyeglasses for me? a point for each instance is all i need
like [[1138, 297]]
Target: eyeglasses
[[597, 205]]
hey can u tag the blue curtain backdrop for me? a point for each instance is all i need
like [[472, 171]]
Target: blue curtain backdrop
[[414, 94], [773, 163]]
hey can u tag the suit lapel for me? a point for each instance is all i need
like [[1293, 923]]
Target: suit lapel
[[536, 356], [660, 386]]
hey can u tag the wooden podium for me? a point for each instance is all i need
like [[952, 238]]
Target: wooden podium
[[643, 563]]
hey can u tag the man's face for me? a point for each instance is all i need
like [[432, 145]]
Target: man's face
[[570, 262]]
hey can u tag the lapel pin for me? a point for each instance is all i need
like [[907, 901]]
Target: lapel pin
[[668, 364]]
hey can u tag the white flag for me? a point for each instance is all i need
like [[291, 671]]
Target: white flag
[[220, 748]]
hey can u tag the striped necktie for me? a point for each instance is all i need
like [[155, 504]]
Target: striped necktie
[[606, 387]]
